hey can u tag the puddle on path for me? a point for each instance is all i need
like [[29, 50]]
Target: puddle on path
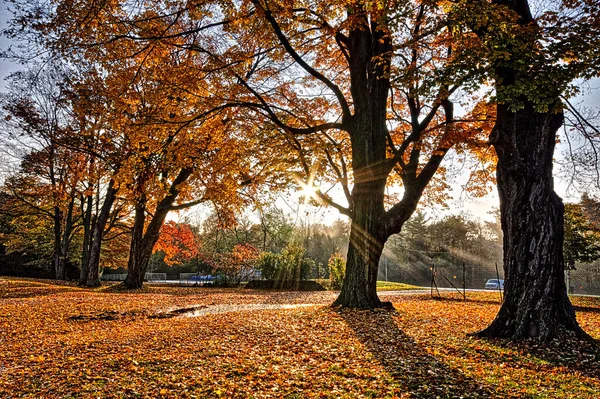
[[217, 309]]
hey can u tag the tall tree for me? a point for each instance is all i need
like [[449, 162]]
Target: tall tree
[[385, 114], [49, 178], [102, 140], [531, 72]]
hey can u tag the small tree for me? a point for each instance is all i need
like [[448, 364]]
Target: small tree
[[178, 242], [582, 238], [337, 270], [232, 267]]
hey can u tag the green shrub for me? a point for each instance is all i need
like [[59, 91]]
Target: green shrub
[[337, 270], [270, 265], [292, 257], [290, 265]]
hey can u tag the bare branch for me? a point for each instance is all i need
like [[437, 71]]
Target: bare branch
[[346, 114]]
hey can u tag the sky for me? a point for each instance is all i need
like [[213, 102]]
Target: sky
[[6, 67], [460, 203]]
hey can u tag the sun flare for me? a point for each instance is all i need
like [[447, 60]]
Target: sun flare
[[309, 191]]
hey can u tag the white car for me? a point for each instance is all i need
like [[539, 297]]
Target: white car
[[494, 284]]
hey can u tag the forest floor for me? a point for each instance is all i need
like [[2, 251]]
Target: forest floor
[[60, 341]]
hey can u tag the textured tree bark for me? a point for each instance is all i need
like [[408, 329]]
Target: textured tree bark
[[368, 132], [536, 302], [368, 232], [367, 238], [143, 241], [137, 265], [92, 275]]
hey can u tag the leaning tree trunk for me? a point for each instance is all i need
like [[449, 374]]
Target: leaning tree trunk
[[142, 242], [536, 302], [138, 256], [92, 271], [367, 238]]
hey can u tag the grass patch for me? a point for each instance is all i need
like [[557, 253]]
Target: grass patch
[[420, 349], [392, 286], [381, 285]]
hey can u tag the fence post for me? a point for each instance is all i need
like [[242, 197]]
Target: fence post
[[433, 283], [464, 283], [432, 278], [498, 280]]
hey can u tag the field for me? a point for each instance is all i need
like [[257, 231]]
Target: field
[[59, 341]]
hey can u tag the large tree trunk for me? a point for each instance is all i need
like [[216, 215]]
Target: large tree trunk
[[138, 261], [370, 49], [92, 276], [536, 302], [142, 242], [367, 238]]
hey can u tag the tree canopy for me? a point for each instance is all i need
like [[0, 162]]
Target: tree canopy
[[171, 104]]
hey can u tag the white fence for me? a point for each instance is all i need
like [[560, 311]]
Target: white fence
[[156, 277], [195, 279], [150, 277]]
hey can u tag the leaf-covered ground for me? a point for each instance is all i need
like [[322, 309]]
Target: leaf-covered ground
[[59, 341]]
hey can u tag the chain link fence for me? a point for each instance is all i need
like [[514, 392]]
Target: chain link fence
[[425, 270], [584, 280], [448, 267]]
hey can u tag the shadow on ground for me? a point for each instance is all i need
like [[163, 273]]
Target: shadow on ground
[[587, 309], [31, 289], [414, 370], [573, 354], [469, 300]]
